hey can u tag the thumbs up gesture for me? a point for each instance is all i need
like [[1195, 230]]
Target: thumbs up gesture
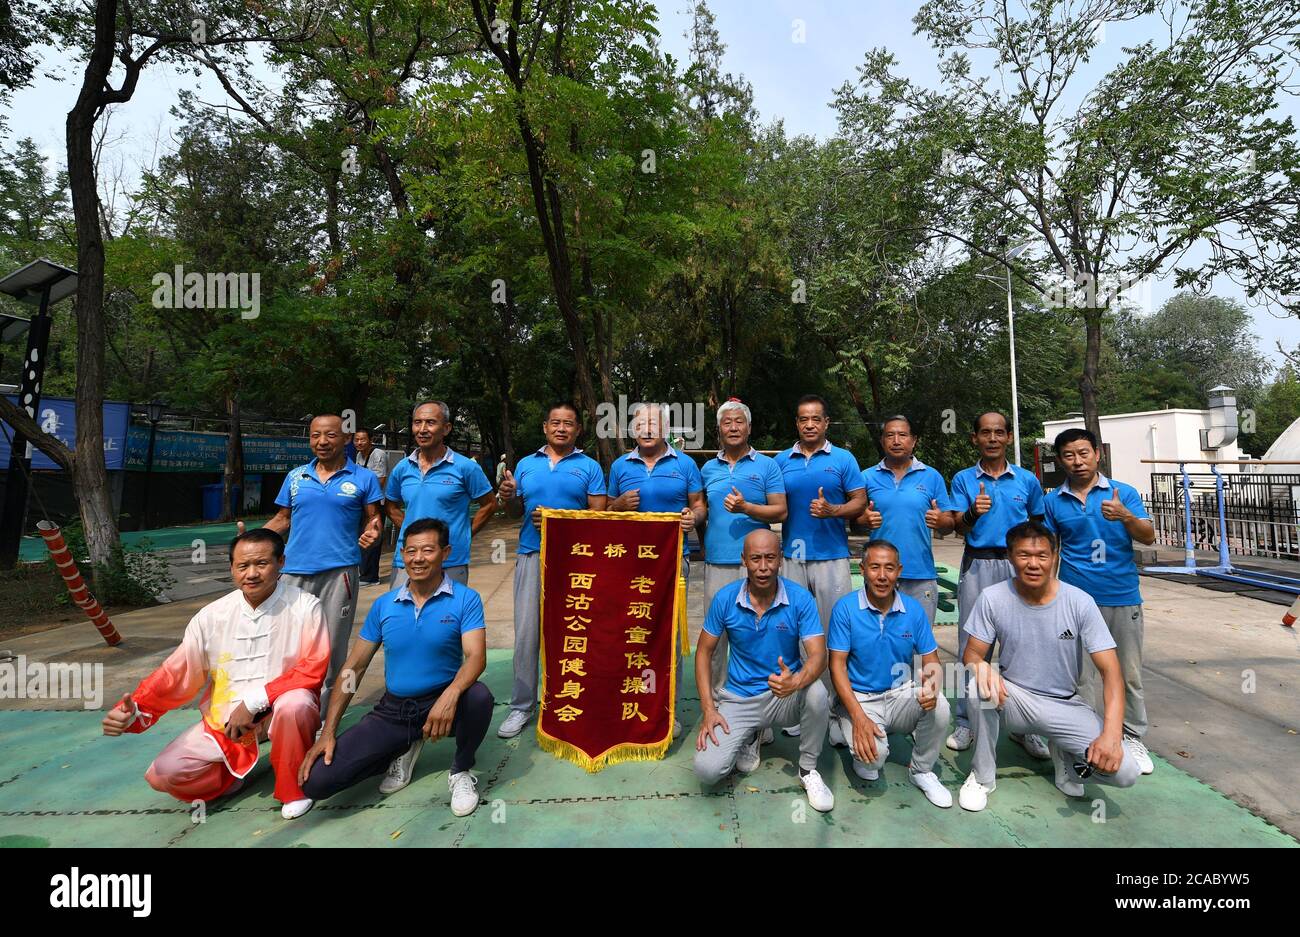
[[508, 487], [1114, 510], [933, 515], [734, 502], [873, 517], [120, 716], [983, 502], [239, 528], [783, 682], [820, 507], [688, 520]]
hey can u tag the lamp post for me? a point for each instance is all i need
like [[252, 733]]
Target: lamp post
[[1009, 256], [154, 411]]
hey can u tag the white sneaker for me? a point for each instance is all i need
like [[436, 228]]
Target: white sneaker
[[749, 758], [836, 734], [768, 737], [820, 797], [973, 795], [865, 771], [464, 793], [961, 738], [1067, 782], [401, 771], [1139, 753], [934, 792], [677, 728], [296, 808], [514, 724], [1034, 744], [792, 731]]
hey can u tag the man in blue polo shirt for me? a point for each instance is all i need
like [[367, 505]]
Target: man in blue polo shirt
[[656, 477], [1097, 520], [988, 499], [823, 488], [767, 619], [435, 649], [907, 504], [435, 481], [745, 492], [559, 476], [322, 505], [874, 636]]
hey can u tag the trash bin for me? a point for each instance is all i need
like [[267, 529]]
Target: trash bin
[[212, 500]]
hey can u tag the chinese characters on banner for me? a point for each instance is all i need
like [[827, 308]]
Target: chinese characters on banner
[[610, 612]]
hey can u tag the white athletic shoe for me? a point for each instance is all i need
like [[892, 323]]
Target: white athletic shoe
[[820, 797], [1066, 780], [792, 731], [401, 771], [973, 795], [677, 728], [749, 758], [1034, 744], [836, 734], [934, 792], [768, 737], [464, 793], [1139, 753], [296, 808], [865, 771], [514, 724], [961, 738]]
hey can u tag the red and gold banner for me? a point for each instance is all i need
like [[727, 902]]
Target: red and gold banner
[[611, 608]]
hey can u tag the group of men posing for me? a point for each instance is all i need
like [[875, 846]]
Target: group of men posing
[[1067, 683]]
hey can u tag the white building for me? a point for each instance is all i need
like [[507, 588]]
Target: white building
[[1164, 434]]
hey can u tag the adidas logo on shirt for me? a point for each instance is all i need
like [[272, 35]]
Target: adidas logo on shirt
[[1066, 635]]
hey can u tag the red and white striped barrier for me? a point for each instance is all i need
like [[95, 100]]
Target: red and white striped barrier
[[81, 596]]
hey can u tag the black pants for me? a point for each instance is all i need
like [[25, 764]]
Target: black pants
[[386, 731], [370, 556]]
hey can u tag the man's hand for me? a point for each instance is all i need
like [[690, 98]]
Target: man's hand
[[712, 720], [508, 487], [865, 733], [688, 520], [784, 682], [537, 517], [990, 684], [983, 502], [324, 746], [367, 538], [238, 722], [820, 507], [933, 515], [1106, 753], [629, 500], [1114, 510], [438, 724], [734, 503], [927, 696], [117, 719], [873, 517]]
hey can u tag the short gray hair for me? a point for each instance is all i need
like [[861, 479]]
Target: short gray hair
[[735, 405], [446, 411]]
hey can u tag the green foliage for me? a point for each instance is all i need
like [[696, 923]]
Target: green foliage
[[134, 577]]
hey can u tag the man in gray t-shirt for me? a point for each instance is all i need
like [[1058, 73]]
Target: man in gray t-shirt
[[1043, 627]]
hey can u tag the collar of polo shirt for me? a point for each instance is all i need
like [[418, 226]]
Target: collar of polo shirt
[[1007, 470], [635, 455], [742, 597], [576, 451], [915, 464], [347, 466], [752, 453], [444, 588], [1101, 482], [447, 456], [864, 602], [826, 447]]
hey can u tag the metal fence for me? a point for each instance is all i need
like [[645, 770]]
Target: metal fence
[[1262, 512]]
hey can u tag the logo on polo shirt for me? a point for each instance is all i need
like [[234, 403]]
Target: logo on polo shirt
[[1066, 635], [348, 489], [447, 620], [447, 480], [782, 625], [907, 634]]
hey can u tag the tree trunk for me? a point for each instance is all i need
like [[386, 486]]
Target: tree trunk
[[1088, 380], [90, 480], [233, 477]]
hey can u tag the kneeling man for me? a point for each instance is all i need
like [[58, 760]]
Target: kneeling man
[[265, 649], [1044, 626], [874, 635], [764, 617], [435, 649]]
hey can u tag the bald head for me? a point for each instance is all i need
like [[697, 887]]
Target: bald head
[[761, 541]]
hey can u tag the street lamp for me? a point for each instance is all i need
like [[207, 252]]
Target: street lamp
[[154, 411], [1007, 257]]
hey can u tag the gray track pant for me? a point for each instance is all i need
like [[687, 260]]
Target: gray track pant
[[1126, 627], [976, 576], [717, 575], [925, 591], [337, 591], [827, 580], [1070, 723], [747, 715], [528, 631], [898, 711]]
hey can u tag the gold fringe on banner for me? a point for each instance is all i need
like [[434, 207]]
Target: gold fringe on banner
[[616, 755], [681, 617]]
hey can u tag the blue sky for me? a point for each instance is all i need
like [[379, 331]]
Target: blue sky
[[794, 81]]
